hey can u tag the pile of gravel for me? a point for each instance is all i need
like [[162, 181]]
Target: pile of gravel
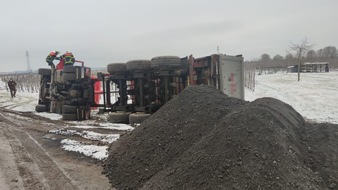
[[203, 139]]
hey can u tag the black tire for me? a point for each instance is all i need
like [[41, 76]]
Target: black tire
[[139, 65], [40, 108], [69, 76], [69, 109], [116, 67], [165, 62], [70, 69], [44, 91], [45, 72], [137, 118], [58, 107], [69, 116], [118, 117]]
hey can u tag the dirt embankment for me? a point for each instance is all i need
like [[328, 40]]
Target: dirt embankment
[[205, 140]]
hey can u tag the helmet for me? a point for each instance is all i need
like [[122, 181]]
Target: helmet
[[68, 53], [54, 53]]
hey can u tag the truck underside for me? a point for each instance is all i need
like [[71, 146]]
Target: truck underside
[[132, 91]]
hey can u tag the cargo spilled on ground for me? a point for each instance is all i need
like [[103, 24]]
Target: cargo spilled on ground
[[203, 139]]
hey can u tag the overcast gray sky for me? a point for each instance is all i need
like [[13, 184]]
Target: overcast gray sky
[[100, 32]]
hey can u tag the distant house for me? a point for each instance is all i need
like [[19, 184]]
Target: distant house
[[292, 69], [315, 67]]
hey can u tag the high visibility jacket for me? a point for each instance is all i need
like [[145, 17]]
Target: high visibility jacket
[[69, 58], [51, 57]]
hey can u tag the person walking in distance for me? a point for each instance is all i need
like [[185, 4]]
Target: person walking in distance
[[12, 87]]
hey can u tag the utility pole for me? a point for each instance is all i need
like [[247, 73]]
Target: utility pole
[[217, 49], [28, 63]]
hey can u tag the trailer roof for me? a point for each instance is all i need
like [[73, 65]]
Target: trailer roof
[[316, 63]]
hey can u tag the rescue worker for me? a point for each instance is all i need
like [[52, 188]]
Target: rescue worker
[[50, 58], [68, 58], [12, 87]]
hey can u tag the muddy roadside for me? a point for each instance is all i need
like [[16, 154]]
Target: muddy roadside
[[29, 160]]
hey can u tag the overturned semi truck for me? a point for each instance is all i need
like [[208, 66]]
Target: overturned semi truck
[[130, 92], [67, 91]]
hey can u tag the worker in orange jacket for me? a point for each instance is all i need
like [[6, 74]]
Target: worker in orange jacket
[[68, 58], [50, 58]]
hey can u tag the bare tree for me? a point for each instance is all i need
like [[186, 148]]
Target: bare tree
[[300, 50]]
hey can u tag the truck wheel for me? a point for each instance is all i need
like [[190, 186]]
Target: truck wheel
[[137, 118], [118, 117], [40, 108], [165, 62], [69, 116], [58, 107], [69, 76], [69, 109], [139, 65], [116, 67], [43, 71]]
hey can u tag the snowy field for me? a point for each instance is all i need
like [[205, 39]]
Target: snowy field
[[315, 96]]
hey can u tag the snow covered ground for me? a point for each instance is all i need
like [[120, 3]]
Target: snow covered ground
[[315, 96]]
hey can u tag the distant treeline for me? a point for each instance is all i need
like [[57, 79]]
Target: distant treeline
[[28, 82], [266, 62]]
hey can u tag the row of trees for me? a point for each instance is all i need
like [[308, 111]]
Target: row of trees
[[298, 53], [25, 82]]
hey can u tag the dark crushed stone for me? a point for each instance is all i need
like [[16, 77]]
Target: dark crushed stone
[[205, 140]]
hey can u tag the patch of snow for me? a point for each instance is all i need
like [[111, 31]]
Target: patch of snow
[[315, 96], [52, 116], [24, 101], [109, 126], [97, 152], [108, 138], [84, 122], [117, 126]]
